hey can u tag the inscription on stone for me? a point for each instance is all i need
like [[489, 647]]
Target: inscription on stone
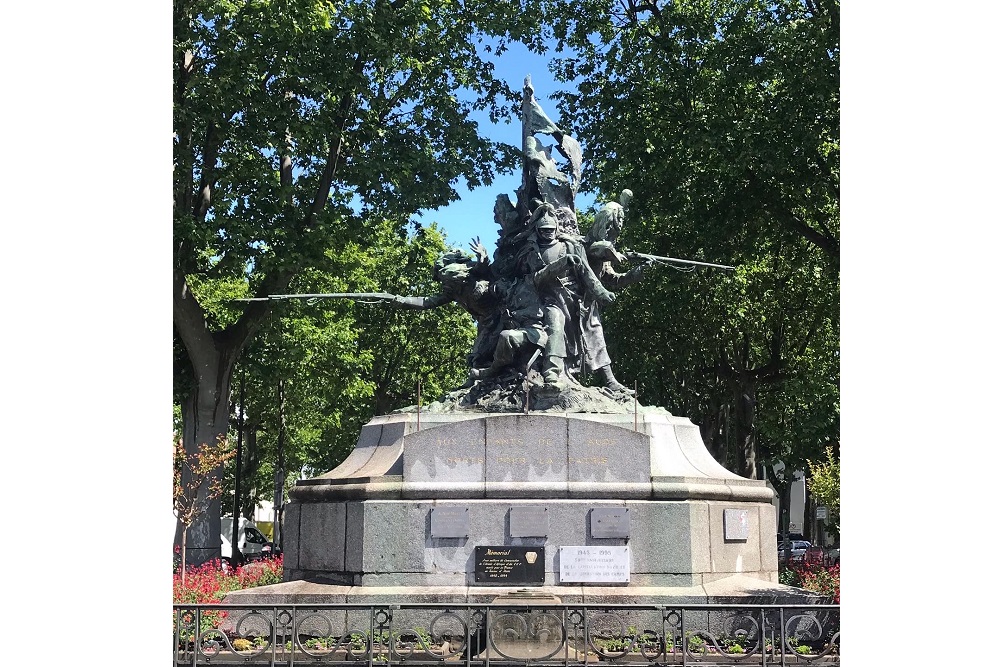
[[736, 524], [594, 564], [509, 565], [450, 522], [609, 522], [529, 522]]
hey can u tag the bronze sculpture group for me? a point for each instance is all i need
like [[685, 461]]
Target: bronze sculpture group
[[537, 304]]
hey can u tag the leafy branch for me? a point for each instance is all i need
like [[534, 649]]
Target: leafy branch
[[196, 484]]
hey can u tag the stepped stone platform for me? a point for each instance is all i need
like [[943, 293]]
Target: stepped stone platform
[[410, 514]]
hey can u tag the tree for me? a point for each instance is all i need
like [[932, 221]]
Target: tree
[[294, 124], [722, 117], [192, 473], [824, 485], [339, 362]]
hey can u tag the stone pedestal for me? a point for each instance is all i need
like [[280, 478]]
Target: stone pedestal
[[401, 517]]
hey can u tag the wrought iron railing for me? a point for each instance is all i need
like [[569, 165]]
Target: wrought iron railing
[[358, 635]]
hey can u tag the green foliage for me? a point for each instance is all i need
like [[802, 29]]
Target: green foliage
[[341, 362], [824, 485], [299, 121], [303, 131], [321, 643], [788, 576], [696, 644], [423, 636], [723, 118], [633, 640]]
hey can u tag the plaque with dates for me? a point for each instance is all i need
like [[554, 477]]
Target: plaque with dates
[[529, 522], [595, 564], [450, 522], [609, 522], [509, 565]]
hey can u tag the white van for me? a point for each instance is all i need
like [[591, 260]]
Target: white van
[[252, 543]]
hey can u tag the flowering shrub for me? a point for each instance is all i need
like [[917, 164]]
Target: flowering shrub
[[209, 583], [813, 577]]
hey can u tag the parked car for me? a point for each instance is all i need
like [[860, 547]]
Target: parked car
[[832, 556], [794, 550]]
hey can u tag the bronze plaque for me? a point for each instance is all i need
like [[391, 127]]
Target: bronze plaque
[[510, 565], [609, 522], [529, 522], [450, 522]]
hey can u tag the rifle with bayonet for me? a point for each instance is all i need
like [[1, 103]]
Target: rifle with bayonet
[[638, 256], [364, 297]]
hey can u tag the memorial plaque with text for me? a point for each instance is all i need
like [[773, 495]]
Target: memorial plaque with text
[[510, 565], [450, 522], [529, 522], [609, 522], [594, 564]]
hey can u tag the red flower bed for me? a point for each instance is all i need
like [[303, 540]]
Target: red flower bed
[[818, 578], [209, 583]]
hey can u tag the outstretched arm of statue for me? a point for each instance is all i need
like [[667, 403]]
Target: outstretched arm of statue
[[420, 302], [616, 281]]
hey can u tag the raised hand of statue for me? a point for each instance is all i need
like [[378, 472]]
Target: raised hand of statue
[[482, 254]]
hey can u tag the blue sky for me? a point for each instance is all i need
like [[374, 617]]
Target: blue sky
[[472, 215]]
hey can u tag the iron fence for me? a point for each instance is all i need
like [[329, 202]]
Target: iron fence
[[505, 634]]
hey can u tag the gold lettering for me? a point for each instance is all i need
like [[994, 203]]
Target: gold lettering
[[465, 459], [591, 460]]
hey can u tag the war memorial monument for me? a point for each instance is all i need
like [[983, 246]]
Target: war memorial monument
[[526, 517], [524, 481]]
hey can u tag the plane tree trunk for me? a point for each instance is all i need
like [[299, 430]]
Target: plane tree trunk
[[205, 407]]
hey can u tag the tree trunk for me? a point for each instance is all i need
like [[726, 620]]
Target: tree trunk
[[746, 437], [248, 472], [713, 430], [205, 413], [184, 536], [205, 409]]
